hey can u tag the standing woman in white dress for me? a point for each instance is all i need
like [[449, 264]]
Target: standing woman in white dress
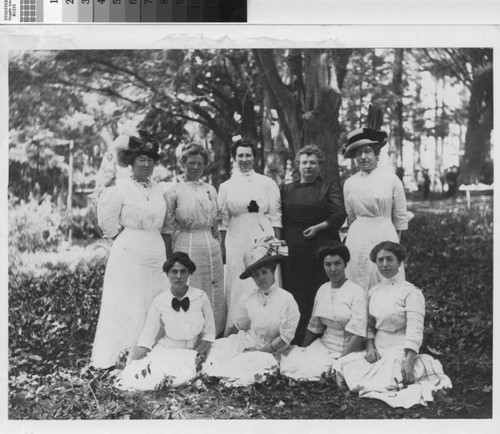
[[192, 219], [250, 206], [132, 214], [374, 200]]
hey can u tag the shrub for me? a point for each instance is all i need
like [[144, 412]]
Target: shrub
[[34, 226]]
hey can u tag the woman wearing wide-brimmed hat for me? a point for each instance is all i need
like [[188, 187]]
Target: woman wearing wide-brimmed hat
[[266, 324], [374, 200], [132, 214]]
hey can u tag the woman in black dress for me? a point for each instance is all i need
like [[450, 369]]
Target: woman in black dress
[[313, 212]]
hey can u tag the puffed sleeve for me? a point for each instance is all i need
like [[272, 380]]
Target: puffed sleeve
[[151, 327], [274, 197], [359, 313], [335, 205], [170, 197], [109, 206], [315, 325], [415, 312], [399, 211], [351, 214], [208, 331], [289, 319], [222, 201]]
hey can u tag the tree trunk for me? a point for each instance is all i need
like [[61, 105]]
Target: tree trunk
[[397, 88], [321, 123], [480, 124], [282, 98]]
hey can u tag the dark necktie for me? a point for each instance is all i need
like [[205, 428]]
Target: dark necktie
[[177, 304]]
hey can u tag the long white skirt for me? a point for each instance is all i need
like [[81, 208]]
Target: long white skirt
[[227, 360], [175, 367], [133, 278], [204, 251], [363, 235], [383, 379], [242, 232], [307, 363]]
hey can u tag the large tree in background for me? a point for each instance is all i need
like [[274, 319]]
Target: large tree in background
[[304, 87], [474, 68]]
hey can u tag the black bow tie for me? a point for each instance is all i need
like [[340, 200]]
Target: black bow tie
[[177, 304]]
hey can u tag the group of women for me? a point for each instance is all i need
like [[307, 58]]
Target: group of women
[[325, 307]]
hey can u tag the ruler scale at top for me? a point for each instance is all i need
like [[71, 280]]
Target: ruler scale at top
[[123, 11]]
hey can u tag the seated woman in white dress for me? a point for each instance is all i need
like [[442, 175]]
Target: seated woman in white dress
[[180, 325], [338, 322], [392, 370], [266, 324]]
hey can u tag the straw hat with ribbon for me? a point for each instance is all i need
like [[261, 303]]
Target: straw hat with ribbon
[[263, 252]]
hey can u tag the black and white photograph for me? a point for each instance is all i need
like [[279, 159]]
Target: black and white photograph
[[278, 228]]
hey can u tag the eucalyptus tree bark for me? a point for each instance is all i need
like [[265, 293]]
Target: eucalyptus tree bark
[[397, 88], [479, 126], [308, 106]]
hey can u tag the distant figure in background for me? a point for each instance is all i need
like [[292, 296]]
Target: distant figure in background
[[313, 212], [132, 214], [250, 208], [426, 186], [451, 179], [192, 217], [374, 199]]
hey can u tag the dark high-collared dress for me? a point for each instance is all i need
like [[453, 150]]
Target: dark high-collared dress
[[305, 205]]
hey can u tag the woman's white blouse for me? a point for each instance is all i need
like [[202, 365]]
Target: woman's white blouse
[[191, 205], [236, 193], [182, 329], [338, 310], [130, 205], [279, 317], [379, 193], [396, 314]]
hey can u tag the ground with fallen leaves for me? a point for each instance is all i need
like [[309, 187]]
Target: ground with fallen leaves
[[53, 311]]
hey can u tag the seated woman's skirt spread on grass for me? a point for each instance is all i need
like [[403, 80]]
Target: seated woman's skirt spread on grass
[[383, 379], [237, 368], [307, 363], [173, 367]]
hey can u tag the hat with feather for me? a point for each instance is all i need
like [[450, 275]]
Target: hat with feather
[[128, 147], [371, 135], [262, 253]]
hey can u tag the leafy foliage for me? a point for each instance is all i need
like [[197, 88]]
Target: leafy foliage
[[52, 320]]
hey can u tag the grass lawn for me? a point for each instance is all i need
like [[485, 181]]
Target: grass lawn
[[53, 314]]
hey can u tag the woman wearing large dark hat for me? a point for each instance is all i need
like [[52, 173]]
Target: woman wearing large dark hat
[[374, 200], [266, 324], [132, 214]]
